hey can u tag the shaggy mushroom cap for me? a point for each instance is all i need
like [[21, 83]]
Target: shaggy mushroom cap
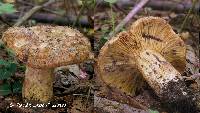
[[42, 48], [118, 60], [47, 46]]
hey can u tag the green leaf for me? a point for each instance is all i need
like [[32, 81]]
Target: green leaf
[[5, 89], [17, 87], [5, 74], [21, 67], [7, 69], [111, 1], [152, 111], [102, 41], [6, 8], [12, 68], [3, 62]]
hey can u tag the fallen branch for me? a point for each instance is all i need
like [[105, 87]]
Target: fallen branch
[[109, 106], [114, 94], [128, 17], [52, 18], [165, 5], [32, 11]]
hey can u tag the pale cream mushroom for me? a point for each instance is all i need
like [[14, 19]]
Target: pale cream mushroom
[[42, 48], [149, 48]]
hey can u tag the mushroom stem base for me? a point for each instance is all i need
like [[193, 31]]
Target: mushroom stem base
[[162, 76], [38, 84]]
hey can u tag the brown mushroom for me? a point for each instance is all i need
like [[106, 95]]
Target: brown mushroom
[[149, 48], [42, 48]]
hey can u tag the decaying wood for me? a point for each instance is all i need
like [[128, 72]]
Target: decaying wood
[[114, 94], [103, 105], [52, 18], [159, 5]]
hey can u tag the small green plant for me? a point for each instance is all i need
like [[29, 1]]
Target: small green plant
[[6, 8], [111, 1], [104, 38], [7, 70], [5, 89], [153, 111]]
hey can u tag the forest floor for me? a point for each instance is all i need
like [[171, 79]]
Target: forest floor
[[78, 96]]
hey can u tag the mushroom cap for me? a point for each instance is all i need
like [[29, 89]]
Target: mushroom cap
[[117, 59], [47, 46], [156, 34]]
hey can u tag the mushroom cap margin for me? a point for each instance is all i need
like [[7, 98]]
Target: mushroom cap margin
[[48, 46]]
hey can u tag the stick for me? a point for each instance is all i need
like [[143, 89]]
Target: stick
[[44, 8], [195, 76], [32, 11], [128, 17]]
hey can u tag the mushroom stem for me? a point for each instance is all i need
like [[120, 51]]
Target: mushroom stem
[[38, 84], [161, 76]]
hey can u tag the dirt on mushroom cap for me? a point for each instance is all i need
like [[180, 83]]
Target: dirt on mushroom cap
[[48, 46]]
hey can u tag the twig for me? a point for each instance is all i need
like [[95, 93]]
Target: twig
[[32, 11], [81, 11], [44, 8], [128, 17], [4, 21], [112, 17], [195, 76], [88, 94], [192, 77]]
